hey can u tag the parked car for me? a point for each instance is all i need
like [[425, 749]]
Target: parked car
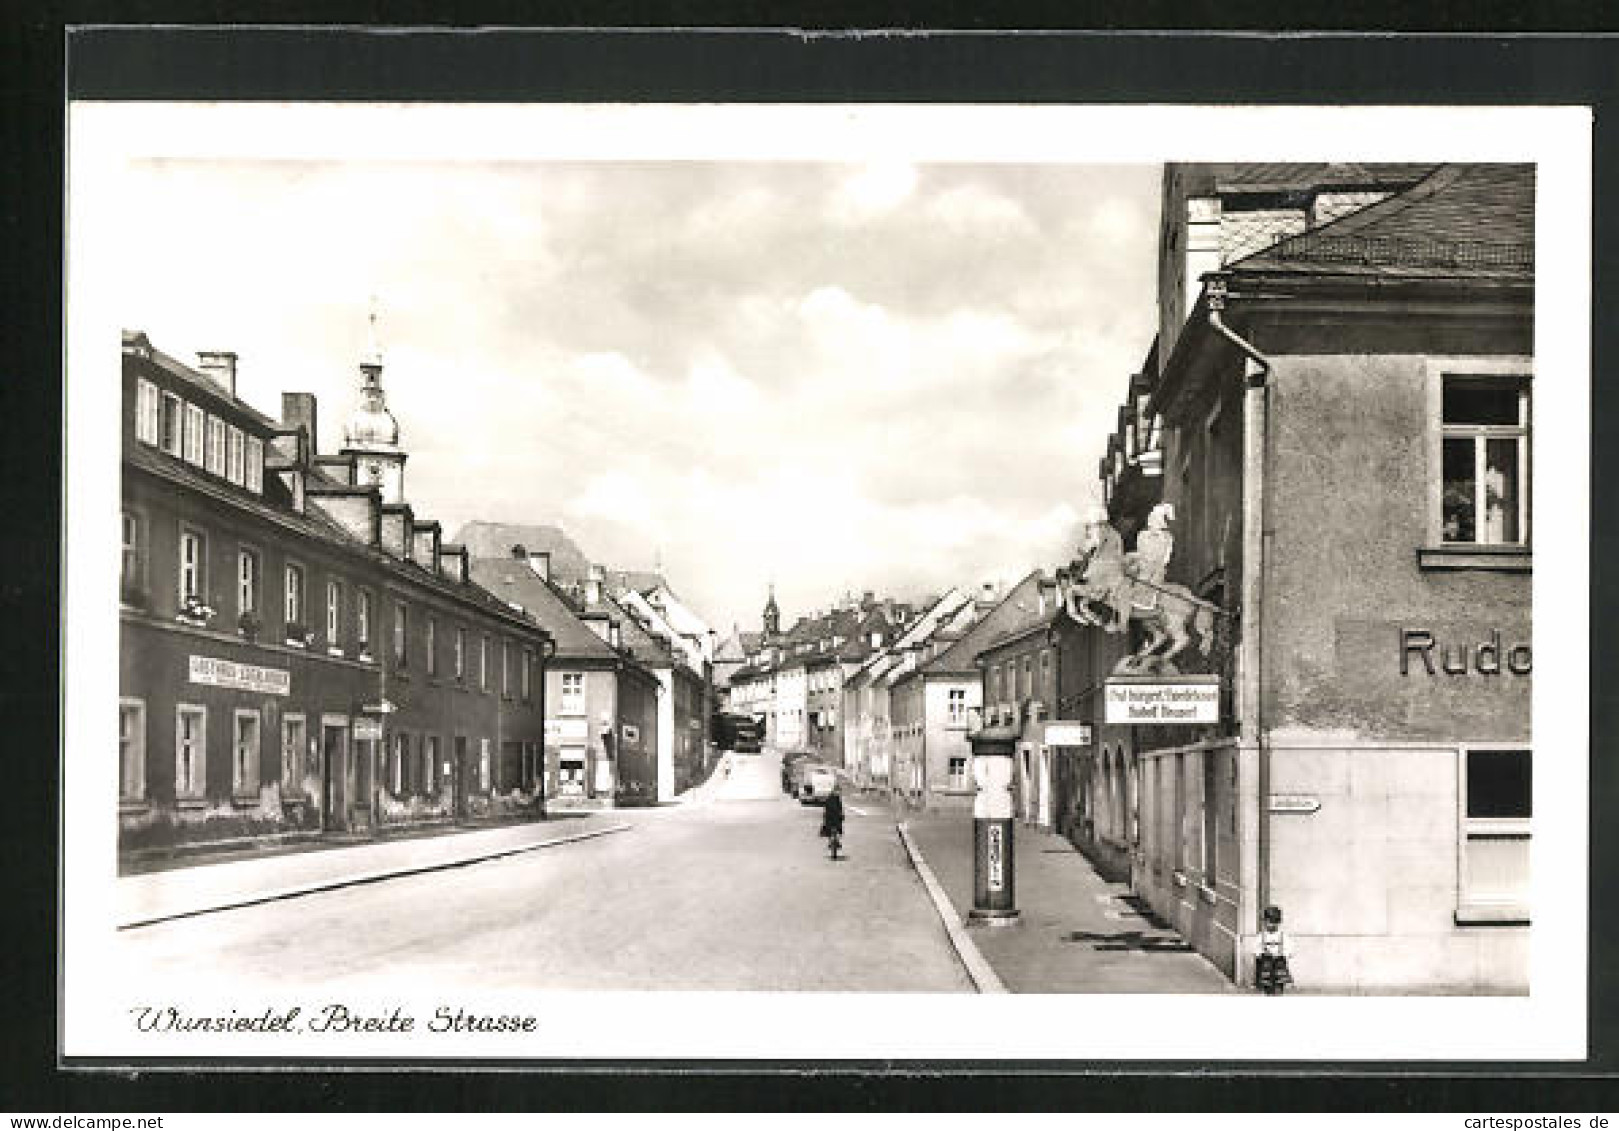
[[817, 785], [792, 767]]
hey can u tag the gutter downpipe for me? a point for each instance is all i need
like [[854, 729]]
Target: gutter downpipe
[[1253, 750], [548, 650]]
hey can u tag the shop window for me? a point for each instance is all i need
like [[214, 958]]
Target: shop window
[[214, 461], [193, 547], [957, 708], [190, 751], [294, 738], [169, 424], [1484, 459], [234, 470], [191, 443], [1496, 797], [571, 772], [131, 750], [244, 777], [146, 412]]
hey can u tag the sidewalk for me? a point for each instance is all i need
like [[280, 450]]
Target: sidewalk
[[178, 892], [1079, 933]]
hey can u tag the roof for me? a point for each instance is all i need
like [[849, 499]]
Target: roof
[[1019, 608], [142, 345], [1465, 220], [640, 580], [496, 539], [514, 581], [1291, 176]]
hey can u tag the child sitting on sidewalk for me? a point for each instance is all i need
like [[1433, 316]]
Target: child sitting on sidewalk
[[1271, 974]]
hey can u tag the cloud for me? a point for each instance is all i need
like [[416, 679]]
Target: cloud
[[884, 376]]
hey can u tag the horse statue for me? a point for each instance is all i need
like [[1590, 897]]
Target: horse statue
[[1109, 588]]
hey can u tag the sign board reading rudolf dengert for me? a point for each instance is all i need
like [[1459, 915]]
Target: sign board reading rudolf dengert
[[1163, 703], [242, 677]]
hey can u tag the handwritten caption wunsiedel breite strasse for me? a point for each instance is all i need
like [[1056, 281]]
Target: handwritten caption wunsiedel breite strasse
[[330, 1018]]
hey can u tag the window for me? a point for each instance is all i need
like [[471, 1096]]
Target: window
[[401, 618], [1047, 691], [958, 774], [483, 763], [1026, 684], [1496, 799], [168, 430], [573, 694], [191, 562], [430, 764], [215, 458], [505, 670], [192, 441], [255, 465], [483, 664], [129, 561], [131, 750], [233, 454], [247, 582], [957, 708], [1211, 819], [334, 613], [432, 646], [295, 602], [190, 751], [362, 615], [396, 766], [293, 739], [1484, 496], [460, 653], [146, 411], [244, 773], [528, 675]]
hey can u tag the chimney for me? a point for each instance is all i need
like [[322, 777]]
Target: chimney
[[298, 409], [593, 586], [519, 553], [540, 562], [220, 367]]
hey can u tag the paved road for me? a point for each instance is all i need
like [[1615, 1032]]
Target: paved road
[[734, 892]]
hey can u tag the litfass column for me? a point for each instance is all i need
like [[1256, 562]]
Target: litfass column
[[994, 886]]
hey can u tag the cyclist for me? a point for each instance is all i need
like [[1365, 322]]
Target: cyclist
[[832, 819]]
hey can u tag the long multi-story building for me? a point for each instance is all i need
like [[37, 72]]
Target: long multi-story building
[[298, 650]]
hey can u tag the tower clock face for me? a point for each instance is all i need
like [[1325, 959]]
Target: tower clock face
[[373, 470]]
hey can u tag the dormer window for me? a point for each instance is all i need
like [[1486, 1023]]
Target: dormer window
[[146, 411], [192, 437], [234, 460], [214, 459], [168, 430]]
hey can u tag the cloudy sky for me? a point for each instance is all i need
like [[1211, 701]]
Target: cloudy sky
[[834, 375]]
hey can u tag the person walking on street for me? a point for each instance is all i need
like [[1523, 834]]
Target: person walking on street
[[832, 820]]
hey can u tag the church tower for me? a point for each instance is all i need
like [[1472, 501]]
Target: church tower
[[772, 616], [371, 437]]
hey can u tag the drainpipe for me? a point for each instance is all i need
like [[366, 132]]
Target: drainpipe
[[1253, 749]]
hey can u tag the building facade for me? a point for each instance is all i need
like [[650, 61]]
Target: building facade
[[286, 628], [1345, 408]]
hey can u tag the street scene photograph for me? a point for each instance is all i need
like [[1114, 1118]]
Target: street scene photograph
[[616, 581]]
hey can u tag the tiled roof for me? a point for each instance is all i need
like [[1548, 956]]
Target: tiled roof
[[640, 580], [496, 539], [514, 581], [1019, 608], [1464, 220], [1284, 176], [196, 381]]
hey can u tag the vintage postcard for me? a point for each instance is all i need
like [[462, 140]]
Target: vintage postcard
[[825, 582]]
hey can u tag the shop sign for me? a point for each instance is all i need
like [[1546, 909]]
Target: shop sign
[[1068, 734], [565, 728], [1421, 651], [1294, 803], [1163, 702], [368, 730], [243, 677]]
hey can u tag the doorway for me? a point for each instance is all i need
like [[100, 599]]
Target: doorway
[[334, 770], [458, 778], [365, 752]]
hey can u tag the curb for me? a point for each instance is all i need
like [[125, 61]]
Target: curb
[[979, 970], [367, 878]]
